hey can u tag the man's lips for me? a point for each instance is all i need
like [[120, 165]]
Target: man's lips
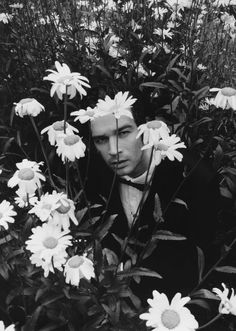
[[118, 163]]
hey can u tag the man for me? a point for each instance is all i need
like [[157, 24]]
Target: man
[[170, 202]]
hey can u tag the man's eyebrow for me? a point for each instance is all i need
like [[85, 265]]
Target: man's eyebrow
[[124, 127]]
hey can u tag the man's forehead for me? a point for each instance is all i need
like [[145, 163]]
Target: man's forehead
[[106, 125]]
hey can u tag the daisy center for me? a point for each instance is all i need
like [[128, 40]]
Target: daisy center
[[50, 242], [62, 209], [75, 261], [65, 79], [47, 206], [26, 100], [26, 174], [162, 147], [228, 91], [154, 125], [71, 140], [59, 126], [170, 319]]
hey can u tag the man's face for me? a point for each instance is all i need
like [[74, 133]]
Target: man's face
[[127, 158]]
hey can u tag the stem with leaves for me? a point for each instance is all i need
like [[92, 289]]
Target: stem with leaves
[[43, 151]]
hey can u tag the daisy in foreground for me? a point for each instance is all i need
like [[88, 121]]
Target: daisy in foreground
[[164, 316], [228, 303], [9, 328], [48, 242], [225, 98], [56, 130], [66, 82], [6, 214], [78, 267], [85, 115], [156, 135], [27, 177], [70, 147], [28, 106], [120, 105]]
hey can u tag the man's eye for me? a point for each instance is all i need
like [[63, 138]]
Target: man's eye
[[123, 133], [100, 141]]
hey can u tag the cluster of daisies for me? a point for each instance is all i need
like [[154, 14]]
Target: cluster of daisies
[[163, 315], [55, 211]]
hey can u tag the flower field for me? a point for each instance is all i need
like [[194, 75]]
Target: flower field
[[66, 64]]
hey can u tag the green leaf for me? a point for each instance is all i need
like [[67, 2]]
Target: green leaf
[[167, 235], [201, 303], [32, 320], [153, 84], [204, 293], [201, 262], [138, 272], [227, 269], [103, 229]]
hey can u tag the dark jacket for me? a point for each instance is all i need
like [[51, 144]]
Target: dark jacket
[[191, 181]]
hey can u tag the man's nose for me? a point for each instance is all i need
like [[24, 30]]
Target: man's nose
[[114, 146]]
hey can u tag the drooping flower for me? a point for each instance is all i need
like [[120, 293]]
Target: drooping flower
[[48, 242], [57, 262], [46, 205], [5, 18], [120, 105], [56, 130], [28, 106], [153, 131], [16, 5], [164, 33], [65, 212], [66, 82], [6, 214], [228, 303], [70, 147], [25, 200], [224, 3], [85, 115], [9, 328], [225, 98], [78, 267], [27, 177], [164, 316]]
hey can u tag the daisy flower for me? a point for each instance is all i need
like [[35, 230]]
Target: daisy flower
[[78, 267], [48, 266], [9, 328], [225, 98], [6, 213], [27, 177], [48, 241], [24, 200], [65, 212], [56, 130], [46, 205], [228, 303], [28, 106], [120, 105], [164, 316], [153, 131], [85, 115], [167, 147], [66, 82], [70, 147]]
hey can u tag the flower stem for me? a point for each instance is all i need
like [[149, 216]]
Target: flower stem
[[43, 151], [67, 177], [83, 191], [209, 323], [65, 109]]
